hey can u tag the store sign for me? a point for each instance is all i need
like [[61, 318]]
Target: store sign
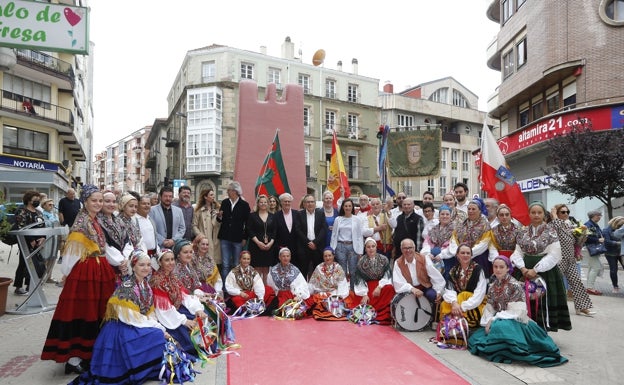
[[535, 184], [28, 164], [603, 118], [44, 26]]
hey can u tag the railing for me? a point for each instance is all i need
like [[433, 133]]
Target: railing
[[13, 102], [360, 173], [45, 62], [346, 131], [173, 138], [150, 162]]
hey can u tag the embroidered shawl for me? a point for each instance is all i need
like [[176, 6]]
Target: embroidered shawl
[[244, 277], [501, 292], [471, 232], [534, 240], [504, 237], [283, 276], [372, 268], [326, 277]]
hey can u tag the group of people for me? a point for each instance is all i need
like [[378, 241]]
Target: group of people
[[133, 273]]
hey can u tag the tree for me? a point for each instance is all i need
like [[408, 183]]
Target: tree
[[588, 164]]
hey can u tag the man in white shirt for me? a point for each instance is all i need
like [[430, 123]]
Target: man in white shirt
[[461, 192], [375, 225], [415, 273], [365, 206], [148, 229], [491, 205]]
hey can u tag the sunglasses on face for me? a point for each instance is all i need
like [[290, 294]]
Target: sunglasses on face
[[564, 212]]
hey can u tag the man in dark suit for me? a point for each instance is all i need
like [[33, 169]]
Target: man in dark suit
[[409, 225], [312, 232], [233, 217], [287, 221]]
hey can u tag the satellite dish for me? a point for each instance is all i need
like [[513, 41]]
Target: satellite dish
[[319, 57]]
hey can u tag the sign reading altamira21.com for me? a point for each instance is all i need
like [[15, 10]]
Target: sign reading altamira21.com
[[44, 26]]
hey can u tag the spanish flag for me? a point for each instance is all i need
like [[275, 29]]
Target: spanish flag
[[337, 181]]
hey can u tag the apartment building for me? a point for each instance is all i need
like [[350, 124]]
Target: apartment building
[[122, 166]]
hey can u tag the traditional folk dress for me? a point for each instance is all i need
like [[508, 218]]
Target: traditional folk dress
[[208, 274], [288, 283], [246, 279], [467, 287], [503, 240], [329, 288], [513, 336], [129, 348], [133, 231], [538, 248], [475, 234], [82, 303], [371, 272], [437, 243], [174, 306], [116, 238]]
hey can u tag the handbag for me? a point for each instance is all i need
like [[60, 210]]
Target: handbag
[[452, 332], [595, 249]]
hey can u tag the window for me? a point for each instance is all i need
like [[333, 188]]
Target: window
[[306, 121], [352, 93], [16, 88], [306, 158], [352, 121], [569, 94], [521, 52], [406, 187], [275, 76], [520, 2], [454, 156], [508, 9], [524, 117], [508, 63], [18, 141], [430, 185], [247, 71], [439, 95], [330, 121], [304, 81], [537, 109], [443, 156], [442, 190], [352, 162], [330, 88], [405, 120], [459, 100], [552, 102], [465, 161], [209, 73], [614, 11]]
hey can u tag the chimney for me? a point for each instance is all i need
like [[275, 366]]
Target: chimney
[[263, 49], [288, 49], [354, 64], [340, 65], [388, 88]]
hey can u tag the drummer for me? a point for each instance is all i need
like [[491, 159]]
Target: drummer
[[416, 274]]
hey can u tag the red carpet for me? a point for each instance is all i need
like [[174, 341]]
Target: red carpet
[[311, 352]]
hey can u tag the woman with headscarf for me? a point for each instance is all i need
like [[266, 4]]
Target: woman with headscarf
[[128, 205], [560, 215], [286, 280], [244, 283], [129, 348], [538, 251], [116, 235], [475, 232], [205, 266], [437, 241], [89, 283], [372, 281], [186, 272], [508, 334], [176, 308], [329, 288], [465, 289]]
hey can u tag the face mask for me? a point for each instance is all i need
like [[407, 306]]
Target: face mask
[[36, 203]]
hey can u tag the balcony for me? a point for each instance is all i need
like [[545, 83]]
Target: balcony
[[358, 174], [137, 148], [173, 138], [12, 102], [46, 64], [309, 177], [352, 134], [151, 161]]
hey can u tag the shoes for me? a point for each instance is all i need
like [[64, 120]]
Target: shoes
[[51, 280], [615, 290], [586, 312], [77, 369], [594, 291], [21, 291]]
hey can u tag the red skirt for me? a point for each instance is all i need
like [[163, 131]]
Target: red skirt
[[381, 303], [80, 310], [239, 301]]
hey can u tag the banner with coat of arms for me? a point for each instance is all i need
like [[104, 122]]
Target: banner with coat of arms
[[415, 153]]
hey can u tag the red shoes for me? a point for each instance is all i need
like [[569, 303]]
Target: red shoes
[[594, 291]]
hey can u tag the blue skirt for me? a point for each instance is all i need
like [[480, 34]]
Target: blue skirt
[[510, 340], [125, 354], [182, 334]]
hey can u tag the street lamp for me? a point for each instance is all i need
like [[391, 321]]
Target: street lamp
[[182, 118]]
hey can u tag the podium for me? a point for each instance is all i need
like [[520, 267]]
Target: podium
[[36, 301]]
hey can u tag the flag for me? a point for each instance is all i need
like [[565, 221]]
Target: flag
[[337, 181], [382, 167], [498, 181], [272, 179]]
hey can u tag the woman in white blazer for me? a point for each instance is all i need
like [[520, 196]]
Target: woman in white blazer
[[347, 239]]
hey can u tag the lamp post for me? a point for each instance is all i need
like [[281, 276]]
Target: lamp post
[[182, 118]]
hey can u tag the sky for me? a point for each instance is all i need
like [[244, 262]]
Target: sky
[[140, 46]]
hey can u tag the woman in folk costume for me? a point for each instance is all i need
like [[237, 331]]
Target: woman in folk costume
[[475, 232], [508, 334], [116, 235], [128, 205], [129, 348], [205, 266], [329, 288], [465, 290], [436, 243], [176, 308], [538, 251], [503, 241], [457, 216], [373, 282], [287, 281], [89, 283], [244, 283]]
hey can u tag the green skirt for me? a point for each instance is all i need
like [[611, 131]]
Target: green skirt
[[555, 303]]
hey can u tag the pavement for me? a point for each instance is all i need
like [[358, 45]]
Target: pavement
[[593, 346]]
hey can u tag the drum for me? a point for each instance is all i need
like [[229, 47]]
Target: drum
[[410, 313]]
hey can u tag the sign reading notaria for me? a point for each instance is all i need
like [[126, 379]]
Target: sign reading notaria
[[414, 153], [43, 26]]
